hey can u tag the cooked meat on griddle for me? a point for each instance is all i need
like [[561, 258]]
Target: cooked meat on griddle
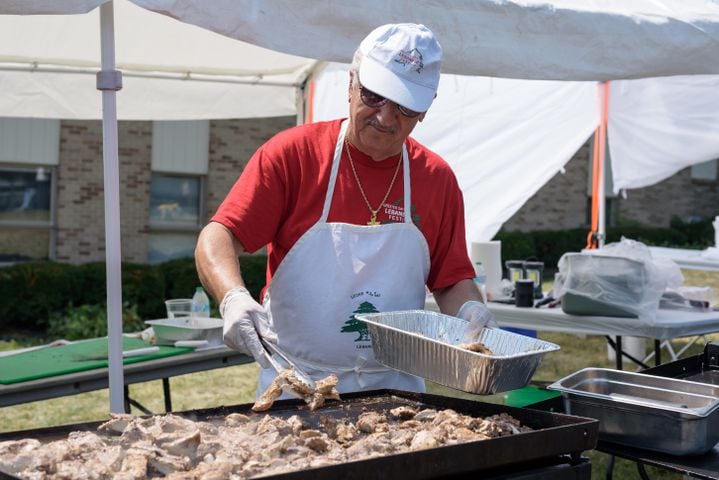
[[241, 446], [403, 413], [478, 347], [286, 380], [273, 392]]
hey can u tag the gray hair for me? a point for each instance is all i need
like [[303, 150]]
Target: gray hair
[[356, 62]]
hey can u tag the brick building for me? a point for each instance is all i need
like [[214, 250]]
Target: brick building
[[175, 174]]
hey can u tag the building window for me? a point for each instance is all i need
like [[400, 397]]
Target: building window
[[175, 206], [705, 171], [180, 157], [174, 201], [26, 213]]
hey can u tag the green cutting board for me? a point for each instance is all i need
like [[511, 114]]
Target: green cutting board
[[75, 357]]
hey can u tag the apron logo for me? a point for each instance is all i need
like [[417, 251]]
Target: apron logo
[[354, 325]]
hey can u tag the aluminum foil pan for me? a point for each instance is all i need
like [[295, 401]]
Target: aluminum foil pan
[[423, 343]]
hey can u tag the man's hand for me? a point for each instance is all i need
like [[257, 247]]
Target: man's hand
[[479, 318], [245, 321]]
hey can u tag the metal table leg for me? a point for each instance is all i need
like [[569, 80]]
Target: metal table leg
[[168, 396]]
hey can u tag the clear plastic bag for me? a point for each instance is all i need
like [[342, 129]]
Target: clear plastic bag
[[620, 280]]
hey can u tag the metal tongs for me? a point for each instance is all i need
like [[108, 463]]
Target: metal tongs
[[274, 352]]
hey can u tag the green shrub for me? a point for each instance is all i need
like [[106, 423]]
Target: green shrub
[[144, 286], [544, 245], [658, 237], [699, 234], [549, 245], [90, 284], [253, 272], [552, 244], [90, 321], [516, 245], [33, 293], [180, 277]]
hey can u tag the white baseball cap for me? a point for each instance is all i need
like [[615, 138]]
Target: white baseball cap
[[402, 62]]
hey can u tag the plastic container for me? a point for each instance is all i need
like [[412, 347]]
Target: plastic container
[[170, 330], [200, 303], [179, 307]]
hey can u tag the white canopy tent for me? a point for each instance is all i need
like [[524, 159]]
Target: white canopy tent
[[550, 40]]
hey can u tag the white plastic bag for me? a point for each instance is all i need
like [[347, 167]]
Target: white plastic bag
[[620, 279]]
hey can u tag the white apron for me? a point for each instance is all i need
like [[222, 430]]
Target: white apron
[[336, 270]]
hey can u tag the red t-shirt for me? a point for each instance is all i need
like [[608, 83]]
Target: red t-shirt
[[281, 192]]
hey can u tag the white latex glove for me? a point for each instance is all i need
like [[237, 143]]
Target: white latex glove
[[245, 321], [479, 318]]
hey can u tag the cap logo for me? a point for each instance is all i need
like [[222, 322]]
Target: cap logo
[[413, 58]]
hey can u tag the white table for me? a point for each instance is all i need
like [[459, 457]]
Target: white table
[[668, 324], [686, 258]]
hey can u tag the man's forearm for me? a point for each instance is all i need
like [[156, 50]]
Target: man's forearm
[[451, 298], [216, 260]]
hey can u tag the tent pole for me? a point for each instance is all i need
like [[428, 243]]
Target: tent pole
[[109, 81]]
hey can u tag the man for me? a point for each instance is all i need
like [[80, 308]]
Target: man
[[357, 216]]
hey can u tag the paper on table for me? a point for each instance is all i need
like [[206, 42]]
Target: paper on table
[[488, 256]]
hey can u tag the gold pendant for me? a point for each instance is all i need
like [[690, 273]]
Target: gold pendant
[[373, 220]]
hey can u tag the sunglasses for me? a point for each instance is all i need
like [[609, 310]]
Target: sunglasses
[[375, 100]]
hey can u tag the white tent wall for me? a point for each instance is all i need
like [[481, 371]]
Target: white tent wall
[[503, 138], [658, 126]]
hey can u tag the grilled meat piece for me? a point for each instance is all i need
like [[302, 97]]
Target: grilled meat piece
[[325, 389], [268, 397], [478, 347]]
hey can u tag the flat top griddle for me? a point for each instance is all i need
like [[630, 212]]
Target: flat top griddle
[[554, 435]]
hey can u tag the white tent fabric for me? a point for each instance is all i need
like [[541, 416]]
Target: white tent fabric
[[503, 138], [530, 39], [171, 70], [657, 126]]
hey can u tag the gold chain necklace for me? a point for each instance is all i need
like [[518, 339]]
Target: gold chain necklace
[[373, 211]]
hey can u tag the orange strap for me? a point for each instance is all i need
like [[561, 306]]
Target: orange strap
[[600, 140]]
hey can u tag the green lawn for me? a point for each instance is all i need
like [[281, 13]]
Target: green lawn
[[236, 385]]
